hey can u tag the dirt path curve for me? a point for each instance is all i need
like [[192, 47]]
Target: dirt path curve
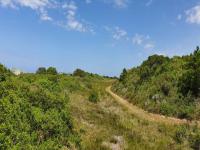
[[146, 115]]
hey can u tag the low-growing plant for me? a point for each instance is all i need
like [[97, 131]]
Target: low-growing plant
[[94, 97]]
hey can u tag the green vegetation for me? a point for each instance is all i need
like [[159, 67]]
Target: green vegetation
[[4, 73], [94, 97], [48, 110], [50, 70], [169, 86], [35, 113], [190, 81]]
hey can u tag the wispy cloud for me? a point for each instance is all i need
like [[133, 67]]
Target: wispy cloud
[[193, 15], [69, 9], [149, 46], [38, 5], [72, 22], [120, 3], [33, 4], [44, 15], [117, 32], [149, 2], [143, 41], [138, 39], [117, 3]]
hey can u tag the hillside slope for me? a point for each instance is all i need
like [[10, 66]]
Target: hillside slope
[[168, 86], [55, 111], [109, 125]]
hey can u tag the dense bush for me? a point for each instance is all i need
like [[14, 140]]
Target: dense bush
[[4, 73], [123, 75], [79, 73], [190, 81], [170, 86], [34, 114], [41, 70], [94, 97], [50, 70]]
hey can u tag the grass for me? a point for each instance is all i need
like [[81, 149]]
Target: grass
[[105, 124], [100, 123]]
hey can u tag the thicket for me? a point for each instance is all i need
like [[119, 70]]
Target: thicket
[[94, 97], [50, 70], [169, 86], [34, 112]]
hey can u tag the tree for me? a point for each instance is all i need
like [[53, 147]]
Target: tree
[[123, 75], [2, 78], [52, 70], [94, 97], [41, 70], [190, 81], [4, 73], [79, 73]]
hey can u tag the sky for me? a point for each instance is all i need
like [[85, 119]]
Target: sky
[[99, 36]]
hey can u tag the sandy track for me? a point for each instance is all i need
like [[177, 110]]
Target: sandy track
[[146, 115]]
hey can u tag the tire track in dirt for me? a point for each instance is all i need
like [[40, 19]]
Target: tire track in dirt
[[140, 113]]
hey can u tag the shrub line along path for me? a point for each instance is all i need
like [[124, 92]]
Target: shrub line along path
[[140, 113]]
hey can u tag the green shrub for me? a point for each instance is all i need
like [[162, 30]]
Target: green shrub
[[52, 71], [195, 141], [94, 97], [41, 70], [123, 75], [167, 109], [170, 86], [180, 134], [165, 88], [190, 81], [79, 73], [34, 115], [2, 78]]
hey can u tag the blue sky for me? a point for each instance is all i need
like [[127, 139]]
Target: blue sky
[[100, 36]]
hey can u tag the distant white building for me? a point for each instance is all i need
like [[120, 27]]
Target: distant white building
[[16, 71]]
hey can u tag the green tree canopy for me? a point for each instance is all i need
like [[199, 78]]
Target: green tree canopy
[[123, 75], [190, 81], [52, 70], [41, 70], [79, 73]]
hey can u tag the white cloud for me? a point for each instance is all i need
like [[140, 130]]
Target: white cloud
[[42, 7], [138, 39], [120, 3], [33, 4], [44, 15], [70, 6], [193, 15], [142, 40], [37, 5], [149, 46], [72, 22], [119, 33], [117, 3], [7, 3]]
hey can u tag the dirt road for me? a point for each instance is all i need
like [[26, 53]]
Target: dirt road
[[146, 115]]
